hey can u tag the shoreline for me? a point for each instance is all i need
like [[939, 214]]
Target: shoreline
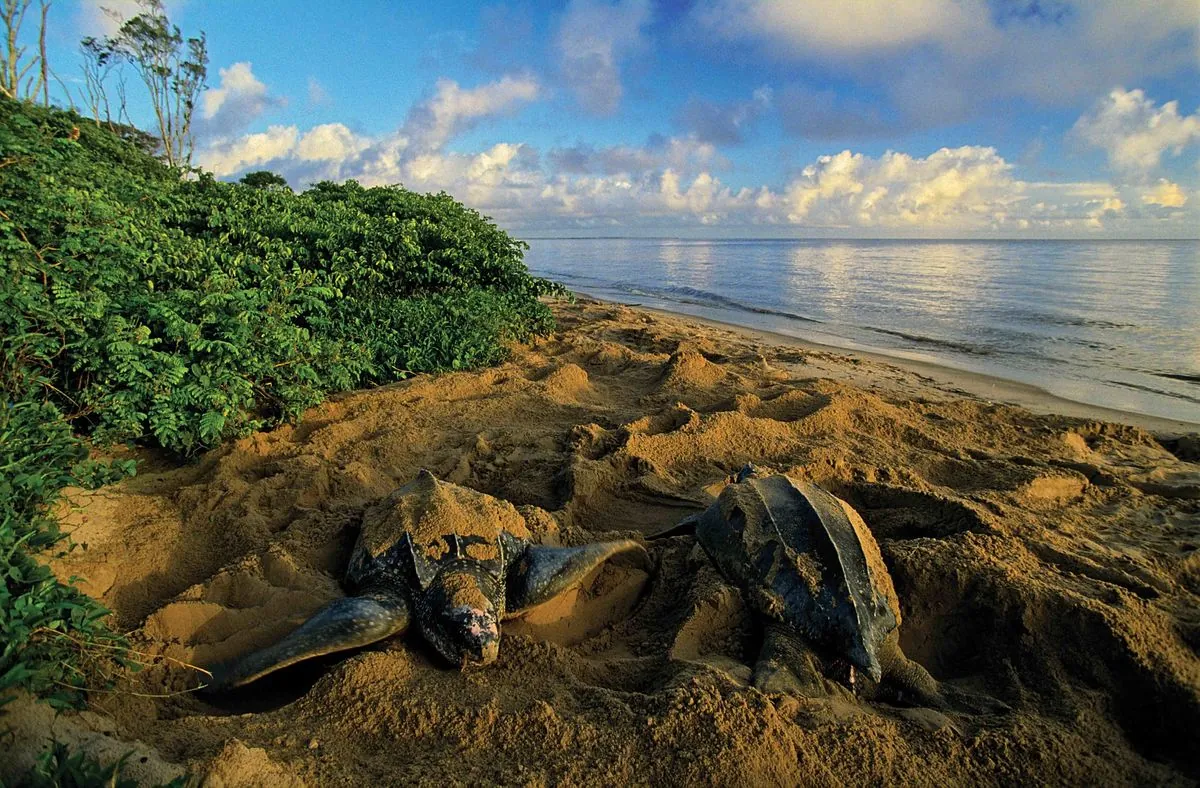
[[945, 378]]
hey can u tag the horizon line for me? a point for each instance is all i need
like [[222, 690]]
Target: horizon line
[[845, 238]]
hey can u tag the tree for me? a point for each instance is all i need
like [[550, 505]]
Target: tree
[[172, 68], [264, 179], [99, 64], [15, 79]]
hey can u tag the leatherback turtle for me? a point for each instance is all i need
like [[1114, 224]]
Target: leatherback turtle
[[807, 564], [456, 560]]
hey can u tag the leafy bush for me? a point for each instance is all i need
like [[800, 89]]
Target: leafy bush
[[43, 623], [264, 179], [140, 305], [183, 312]]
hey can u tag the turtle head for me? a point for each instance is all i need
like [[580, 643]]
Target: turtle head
[[749, 471], [459, 616]]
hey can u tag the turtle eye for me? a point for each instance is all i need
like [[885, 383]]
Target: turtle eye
[[736, 520]]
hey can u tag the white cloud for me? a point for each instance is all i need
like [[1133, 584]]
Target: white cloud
[[1108, 208], [1080, 190], [671, 181], [331, 142], [1134, 132], [592, 38], [226, 157], [961, 187], [332, 151], [836, 27], [236, 103], [1165, 194], [452, 109], [966, 190], [940, 61]]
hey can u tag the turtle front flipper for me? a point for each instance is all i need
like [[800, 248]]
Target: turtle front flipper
[[540, 573], [344, 623]]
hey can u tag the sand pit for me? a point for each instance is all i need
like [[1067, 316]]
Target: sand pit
[[1047, 561]]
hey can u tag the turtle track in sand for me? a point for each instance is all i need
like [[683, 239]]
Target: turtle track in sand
[[1049, 561]]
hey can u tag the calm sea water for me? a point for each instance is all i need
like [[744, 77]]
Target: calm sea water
[[1113, 323]]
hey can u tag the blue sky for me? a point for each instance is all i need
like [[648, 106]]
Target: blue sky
[[957, 118]]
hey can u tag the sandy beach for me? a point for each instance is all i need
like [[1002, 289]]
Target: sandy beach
[[1045, 553], [946, 379]]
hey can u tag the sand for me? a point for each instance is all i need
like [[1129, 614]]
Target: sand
[[1047, 561]]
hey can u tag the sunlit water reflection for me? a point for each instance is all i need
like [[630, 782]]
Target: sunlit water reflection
[[1113, 323]]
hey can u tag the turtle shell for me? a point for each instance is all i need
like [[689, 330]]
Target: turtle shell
[[806, 559], [427, 524]]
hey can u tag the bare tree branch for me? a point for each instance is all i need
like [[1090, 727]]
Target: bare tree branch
[[15, 66], [172, 70]]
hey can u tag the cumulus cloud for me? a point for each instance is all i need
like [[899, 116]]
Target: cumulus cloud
[[939, 61], [592, 39], [333, 151], [236, 102], [967, 186], [331, 142], [723, 124], [1134, 132], [671, 182], [229, 156], [453, 109], [1165, 194], [1108, 208]]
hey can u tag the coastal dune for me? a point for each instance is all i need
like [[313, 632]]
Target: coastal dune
[[1048, 561]]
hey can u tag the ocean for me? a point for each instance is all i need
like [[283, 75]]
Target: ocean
[[1111, 323]]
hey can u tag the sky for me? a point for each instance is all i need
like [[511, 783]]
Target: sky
[[712, 118]]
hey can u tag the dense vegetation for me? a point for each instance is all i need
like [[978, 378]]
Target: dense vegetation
[[139, 305]]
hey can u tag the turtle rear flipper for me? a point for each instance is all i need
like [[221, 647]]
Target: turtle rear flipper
[[541, 573], [342, 624], [906, 682], [684, 527]]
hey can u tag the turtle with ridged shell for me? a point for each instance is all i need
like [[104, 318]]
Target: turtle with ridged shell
[[808, 566], [456, 560]]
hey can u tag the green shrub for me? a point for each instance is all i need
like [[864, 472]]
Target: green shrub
[[183, 312], [44, 624], [140, 305]]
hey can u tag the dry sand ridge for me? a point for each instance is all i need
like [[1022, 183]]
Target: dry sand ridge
[[1050, 562]]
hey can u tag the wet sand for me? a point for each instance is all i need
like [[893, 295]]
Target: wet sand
[[959, 381], [1047, 561]]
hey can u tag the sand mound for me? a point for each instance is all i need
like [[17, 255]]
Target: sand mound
[[566, 384], [1049, 562], [239, 766]]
